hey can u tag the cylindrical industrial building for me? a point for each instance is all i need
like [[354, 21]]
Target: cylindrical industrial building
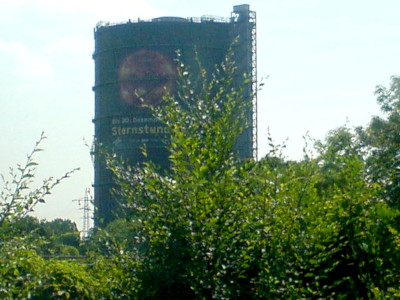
[[135, 62]]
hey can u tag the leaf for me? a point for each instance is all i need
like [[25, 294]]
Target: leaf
[[28, 175], [32, 163]]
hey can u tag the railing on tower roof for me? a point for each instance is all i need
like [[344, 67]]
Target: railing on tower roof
[[204, 18]]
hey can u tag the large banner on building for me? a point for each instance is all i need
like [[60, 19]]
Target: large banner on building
[[144, 78], [134, 131], [139, 80]]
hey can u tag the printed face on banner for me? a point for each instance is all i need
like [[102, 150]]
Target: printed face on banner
[[145, 77]]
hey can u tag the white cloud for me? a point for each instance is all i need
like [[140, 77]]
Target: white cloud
[[20, 60], [114, 11], [71, 45], [11, 7]]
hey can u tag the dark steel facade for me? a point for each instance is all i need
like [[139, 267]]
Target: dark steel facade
[[134, 61]]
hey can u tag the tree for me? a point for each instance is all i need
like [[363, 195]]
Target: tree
[[24, 273], [352, 260], [63, 236], [18, 198], [185, 215], [381, 140], [217, 227]]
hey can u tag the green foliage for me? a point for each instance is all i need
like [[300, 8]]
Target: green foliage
[[57, 237], [26, 275], [18, 271], [168, 210], [115, 237], [17, 198], [67, 280], [217, 227], [59, 226], [349, 258], [381, 140], [63, 237]]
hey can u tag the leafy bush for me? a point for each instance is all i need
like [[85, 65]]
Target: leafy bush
[[18, 198], [217, 227], [24, 274]]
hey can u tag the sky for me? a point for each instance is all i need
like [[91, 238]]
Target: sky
[[319, 60]]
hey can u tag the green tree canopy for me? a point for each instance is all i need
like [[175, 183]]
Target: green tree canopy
[[381, 141], [218, 227]]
